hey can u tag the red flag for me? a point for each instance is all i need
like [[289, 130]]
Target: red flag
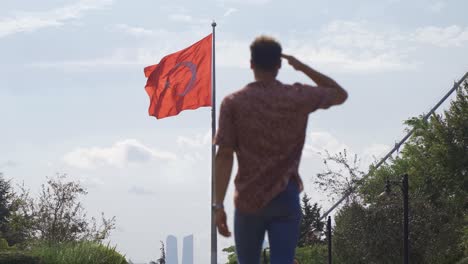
[[181, 80]]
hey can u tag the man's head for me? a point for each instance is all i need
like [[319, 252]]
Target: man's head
[[265, 55]]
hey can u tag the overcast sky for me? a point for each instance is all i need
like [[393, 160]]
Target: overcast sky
[[72, 96]]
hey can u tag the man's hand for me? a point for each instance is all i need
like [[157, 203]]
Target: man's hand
[[295, 63], [221, 223], [340, 95]]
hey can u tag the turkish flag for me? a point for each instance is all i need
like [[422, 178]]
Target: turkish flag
[[181, 80]]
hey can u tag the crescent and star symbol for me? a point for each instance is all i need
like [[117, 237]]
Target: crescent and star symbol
[[193, 70]]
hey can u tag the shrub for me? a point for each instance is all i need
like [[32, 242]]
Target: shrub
[[3, 244], [19, 258], [78, 253], [314, 254]]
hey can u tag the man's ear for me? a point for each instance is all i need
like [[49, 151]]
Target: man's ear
[[279, 65], [251, 65]]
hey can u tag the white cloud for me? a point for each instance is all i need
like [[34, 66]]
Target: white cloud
[[121, 154], [319, 142], [355, 34], [140, 191], [90, 181], [8, 164], [373, 153], [364, 37], [437, 7], [31, 21], [188, 19], [119, 58], [450, 36], [180, 18], [352, 61], [197, 141], [234, 53], [345, 46], [230, 11], [357, 46], [193, 147], [250, 2], [340, 46], [132, 30], [140, 56]]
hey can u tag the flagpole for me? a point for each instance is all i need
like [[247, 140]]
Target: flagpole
[[214, 238]]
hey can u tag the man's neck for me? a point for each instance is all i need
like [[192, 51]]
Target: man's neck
[[266, 77]]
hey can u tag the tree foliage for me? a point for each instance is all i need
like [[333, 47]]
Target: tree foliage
[[14, 226], [6, 197], [341, 174], [55, 216], [162, 259], [59, 216], [369, 229], [310, 222]]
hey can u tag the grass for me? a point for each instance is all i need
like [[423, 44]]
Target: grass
[[15, 257], [78, 253]]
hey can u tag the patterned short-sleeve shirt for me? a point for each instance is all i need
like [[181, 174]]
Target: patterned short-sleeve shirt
[[265, 124]]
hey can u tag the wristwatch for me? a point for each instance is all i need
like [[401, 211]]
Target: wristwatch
[[218, 206]]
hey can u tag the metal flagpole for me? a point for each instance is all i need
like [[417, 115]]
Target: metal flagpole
[[214, 238]]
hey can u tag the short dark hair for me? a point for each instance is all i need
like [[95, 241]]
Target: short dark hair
[[265, 53]]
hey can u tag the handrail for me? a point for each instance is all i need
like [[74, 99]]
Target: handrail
[[395, 148]]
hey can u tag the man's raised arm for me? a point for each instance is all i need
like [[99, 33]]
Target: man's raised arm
[[340, 95]]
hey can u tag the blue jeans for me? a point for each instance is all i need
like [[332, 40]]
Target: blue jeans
[[280, 219]]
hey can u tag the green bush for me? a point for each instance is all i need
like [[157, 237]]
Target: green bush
[[315, 254], [78, 253], [3, 244], [19, 258]]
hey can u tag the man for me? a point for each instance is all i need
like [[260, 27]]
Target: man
[[265, 125]]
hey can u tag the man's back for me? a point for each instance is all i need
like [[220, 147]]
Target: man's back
[[266, 125]]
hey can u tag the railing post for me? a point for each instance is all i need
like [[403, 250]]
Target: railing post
[[405, 219], [329, 235]]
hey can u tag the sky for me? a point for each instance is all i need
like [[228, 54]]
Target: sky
[[72, 96]]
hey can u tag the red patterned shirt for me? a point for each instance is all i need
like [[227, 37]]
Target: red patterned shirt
[[266, 124]]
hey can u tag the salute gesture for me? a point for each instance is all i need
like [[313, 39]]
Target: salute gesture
[[295, 63], [339, 94]]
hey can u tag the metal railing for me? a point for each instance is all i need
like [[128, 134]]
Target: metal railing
[[395, 148]]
